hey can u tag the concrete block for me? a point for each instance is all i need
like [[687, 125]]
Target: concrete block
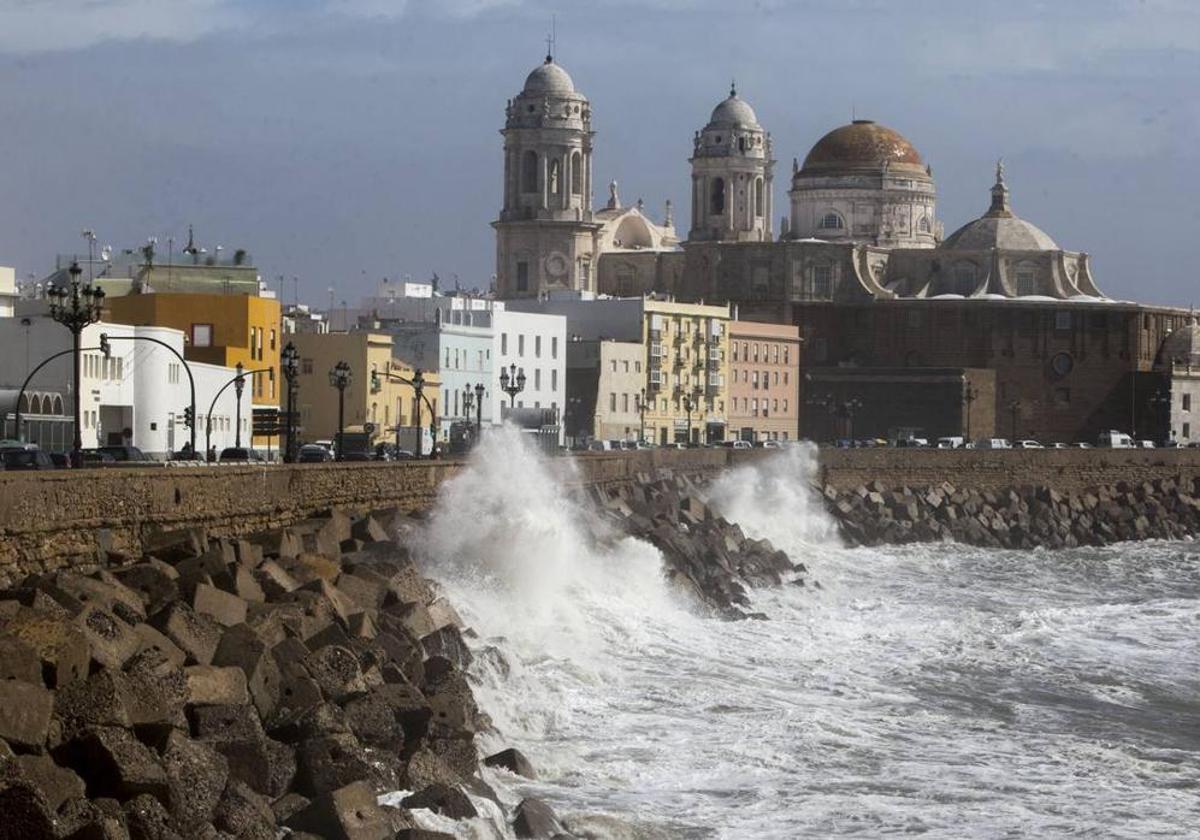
[[244, 813], [25, 710], [362, 590], [196, 775], [157, 694], [112, 641], [448, 643], [374, 722], [236, 733], [245, 586], [174, 546], [100, 700], [196, 635], [25, 813], [369, 530], [58, 784], [350, 812], [534, 818], [115, 763], [282, 763], [147, 819], [243, 648], [151, 639], [60, 645], [447, 800], [336, 670], [512, 760], [274, 580], [211, 685], [18, 661], [280, 542], [224, 608], [329, 763]]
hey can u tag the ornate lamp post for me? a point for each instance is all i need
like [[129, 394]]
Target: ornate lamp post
[[640, 396], [512, 382], [418, 383], [970, 394], [340, 378], [468, 398], [479, 390], [239, 385], [75, 307], [688, 405], [290, 363]]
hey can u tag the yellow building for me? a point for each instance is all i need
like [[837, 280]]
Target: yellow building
[[687, 371], [218, 329], [381, 400]]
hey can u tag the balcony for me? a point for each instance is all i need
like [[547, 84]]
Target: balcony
[[714, 355], [656, 351]]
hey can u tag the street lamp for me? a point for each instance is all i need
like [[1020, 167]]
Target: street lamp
[[512, 382], [239, 385], [970, 394], [479, 389], [468, 398], [340, 378], [418, 383], [688, 405], [640, 396], [289, 360], [76, 307]]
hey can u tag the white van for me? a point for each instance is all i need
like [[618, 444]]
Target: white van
[[949, 443], [993, 443], [1112, 439]]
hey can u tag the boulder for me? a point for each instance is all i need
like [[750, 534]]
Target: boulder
[[534, 818], [512, 760], [442, 799]]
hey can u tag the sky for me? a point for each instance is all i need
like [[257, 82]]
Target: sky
[[342, 141]]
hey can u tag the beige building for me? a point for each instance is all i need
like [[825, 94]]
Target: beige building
[[380, 400], [606, 382], [764, 381]]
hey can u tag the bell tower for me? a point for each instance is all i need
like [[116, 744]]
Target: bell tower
[[545, 233], [731, 176]]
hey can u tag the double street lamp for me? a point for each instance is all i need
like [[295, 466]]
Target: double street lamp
[[512, 382], [340, 378], [289, 362], [239, 384], [473, 398], [76, 307], [418, 386]]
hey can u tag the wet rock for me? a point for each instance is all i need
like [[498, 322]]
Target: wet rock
[[442, 799], [512, 760], [348, 813], [534, 818]]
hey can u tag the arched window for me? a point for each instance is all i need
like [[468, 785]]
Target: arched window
[[758, 196], [831, 221], [529, 172], [923, 224], [717, 199], [741, 144], [576, 173]]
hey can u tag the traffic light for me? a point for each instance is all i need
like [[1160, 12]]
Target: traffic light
[[105, 345], [189, 419]]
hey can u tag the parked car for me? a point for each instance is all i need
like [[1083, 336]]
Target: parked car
[[123, 454], [952, 442], [235, 453], [993, 443], [772, 444], [94, 457], [1027, 444], [312, 453], [600, 446], [1081, 445], [26, 458], [1112, 439], [1144, 444]]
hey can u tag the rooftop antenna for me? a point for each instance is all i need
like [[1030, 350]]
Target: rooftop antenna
[[733, 87], [552, 39]]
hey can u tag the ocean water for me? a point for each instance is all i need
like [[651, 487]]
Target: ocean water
[[937, 691]]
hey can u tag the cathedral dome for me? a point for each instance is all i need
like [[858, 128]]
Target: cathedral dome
[[549, 77], [734, 111], [862, 143], [1000, 228]]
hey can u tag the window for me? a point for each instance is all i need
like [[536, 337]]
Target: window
[[785, 377], [554, 343], [1187, 430], [785, 406], [756, 351], [1026, 282], [774, 405], [756, 380], [521, 345], [446, 364], [537, 347], [1187, 402], [1062, 320], [923, 224], [576, 174], [503, 344], [553, 380], [735, 352], [822, 285], [625, 403], [776, 380], [272, 338], [522, 276], [554, 179], [271, 379], [831, 221], [202, 335], [785, 361], [775, 352], [306, 366], [614, 365], [626, 364], [612, 403], [758, 197], [529, 172], [637, 367], [537, 379], [717, 197]]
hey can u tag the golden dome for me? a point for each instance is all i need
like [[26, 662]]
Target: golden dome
[[861, 144]]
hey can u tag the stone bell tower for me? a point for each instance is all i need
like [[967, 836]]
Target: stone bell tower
[[545, 234]]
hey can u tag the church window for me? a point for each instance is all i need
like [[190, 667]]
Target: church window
[[717, 202], [923, 224], [822, 285], [741, 144], [554, 177], [1187, 402], [576, 174], [522, 276], [832, 221], [529, 172], [758, 197], [1026, 282]]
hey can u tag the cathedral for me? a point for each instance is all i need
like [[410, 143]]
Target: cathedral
[[992, 329]]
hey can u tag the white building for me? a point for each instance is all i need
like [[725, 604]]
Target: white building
[[134, 396], [8, 291], [536, 344]]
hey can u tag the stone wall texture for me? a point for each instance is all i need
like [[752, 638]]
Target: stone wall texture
[[52, 520]]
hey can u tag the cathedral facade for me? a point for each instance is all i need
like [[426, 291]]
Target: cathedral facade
[[995, 325]]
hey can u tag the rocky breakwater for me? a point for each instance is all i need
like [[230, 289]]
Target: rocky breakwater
[[1020, 517], [231, 688], [705, 555]]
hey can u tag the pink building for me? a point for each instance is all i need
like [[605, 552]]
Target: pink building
[[764, 387]]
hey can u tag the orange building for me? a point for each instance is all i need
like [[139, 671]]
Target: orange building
[[764, 386]]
